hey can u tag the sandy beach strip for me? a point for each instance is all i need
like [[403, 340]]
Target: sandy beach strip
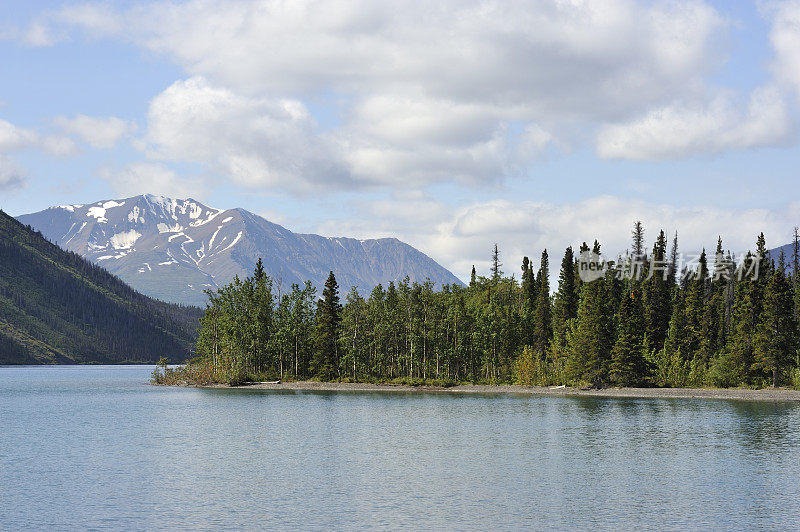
[[766, 394]]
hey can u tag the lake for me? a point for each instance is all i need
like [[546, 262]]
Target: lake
[[96, 447]]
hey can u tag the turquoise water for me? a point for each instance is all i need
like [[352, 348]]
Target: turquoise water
[[95, 447]]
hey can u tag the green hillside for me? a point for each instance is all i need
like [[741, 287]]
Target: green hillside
[[57, 308]]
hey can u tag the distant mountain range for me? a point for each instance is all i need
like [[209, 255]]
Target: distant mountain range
[[58, 308], [175, 249]]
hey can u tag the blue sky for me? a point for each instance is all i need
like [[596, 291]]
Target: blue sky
[[453, 126]]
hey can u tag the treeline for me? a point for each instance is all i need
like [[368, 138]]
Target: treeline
[[56, 307], [647, 319]]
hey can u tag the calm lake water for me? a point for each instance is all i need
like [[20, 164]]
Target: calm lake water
[[95, 447]]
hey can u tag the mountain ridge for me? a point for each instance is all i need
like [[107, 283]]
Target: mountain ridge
[[56, 307], [174, 249]]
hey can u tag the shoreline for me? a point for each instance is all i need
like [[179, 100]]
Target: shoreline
[[741, 394]]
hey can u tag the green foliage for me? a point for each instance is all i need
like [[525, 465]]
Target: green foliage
[[325, 362], [533, 369], [628, 364], [591, 336], [670, 328], [56, 307], [775, 339], [565, 307]]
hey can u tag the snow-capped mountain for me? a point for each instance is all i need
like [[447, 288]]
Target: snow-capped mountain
[[174, 249]]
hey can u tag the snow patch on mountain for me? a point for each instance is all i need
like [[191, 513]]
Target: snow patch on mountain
[[97, 212], [213, 214], [164, 228], [125, 240], [190, 244], [134, 217]]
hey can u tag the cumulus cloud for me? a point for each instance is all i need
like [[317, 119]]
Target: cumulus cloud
[[257, 142], [97, 132], [459, 237], [465, 91], [679, 130], [153, 178], [11, 177], [13, 138], [785, 39]]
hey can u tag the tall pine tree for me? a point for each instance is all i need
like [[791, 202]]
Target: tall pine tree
[[325, 363], [628, 364], [542, 321], [775, 340]]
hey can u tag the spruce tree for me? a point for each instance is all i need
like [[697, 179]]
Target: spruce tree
[[775, 340], [497, 273], [656, 297], [737, 356], [565, 308], [325, 363], [628, 365], [542, 321], [695, 305], [637, 249], [674, 359], [263, 308], [528, 296], [638, 256], [672, 272], [796, 274], [591, 338]]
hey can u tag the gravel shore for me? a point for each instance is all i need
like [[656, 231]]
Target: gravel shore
[[767, 394]]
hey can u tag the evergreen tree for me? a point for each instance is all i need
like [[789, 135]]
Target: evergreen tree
[[565, 308], [672, 272], [497, 273], [657, 295], [775, 340], [737, 356], [628, 365], [591, 337], [796, 273], [542, 322], [528, 302], [638, 256], [325, 363], [262, 307], [637, 250], [695, 304]]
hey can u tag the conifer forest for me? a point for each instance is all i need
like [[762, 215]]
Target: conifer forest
[[648, 318]]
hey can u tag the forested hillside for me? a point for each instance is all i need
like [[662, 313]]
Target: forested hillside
[[56, 307], [647, 319]]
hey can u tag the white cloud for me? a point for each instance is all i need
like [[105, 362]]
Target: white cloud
[[39, 35], [13, 139], [466, 91], [11, 177], [459, 237], [785, 39], [257, 142], [680, 130], [151, 178], [97, 132]]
